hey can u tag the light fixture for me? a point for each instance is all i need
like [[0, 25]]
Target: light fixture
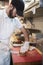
[[27, 0]]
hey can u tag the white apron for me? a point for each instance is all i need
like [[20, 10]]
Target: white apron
[[4, 54]]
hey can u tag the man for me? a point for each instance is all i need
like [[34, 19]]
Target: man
[[8, 23]]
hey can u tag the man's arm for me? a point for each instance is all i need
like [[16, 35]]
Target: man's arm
[[26, 36], [25, 46]]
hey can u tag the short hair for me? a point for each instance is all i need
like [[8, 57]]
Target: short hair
[[19, 5]]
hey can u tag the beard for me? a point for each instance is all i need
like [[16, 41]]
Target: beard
[[11, 14]]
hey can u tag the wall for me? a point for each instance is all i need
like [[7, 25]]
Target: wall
[[38, 22]]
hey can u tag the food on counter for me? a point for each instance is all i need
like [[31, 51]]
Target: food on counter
[[15, 39]]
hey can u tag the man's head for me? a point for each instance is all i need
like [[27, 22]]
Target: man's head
[[16, 7]]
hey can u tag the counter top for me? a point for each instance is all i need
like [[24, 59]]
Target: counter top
[[32, 56]]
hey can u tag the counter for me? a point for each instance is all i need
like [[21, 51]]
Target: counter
[[33, 57]]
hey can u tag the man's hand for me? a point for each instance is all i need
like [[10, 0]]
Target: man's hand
[[25, 47]]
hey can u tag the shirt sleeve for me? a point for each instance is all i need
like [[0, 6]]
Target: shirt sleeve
[[18, 23]]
